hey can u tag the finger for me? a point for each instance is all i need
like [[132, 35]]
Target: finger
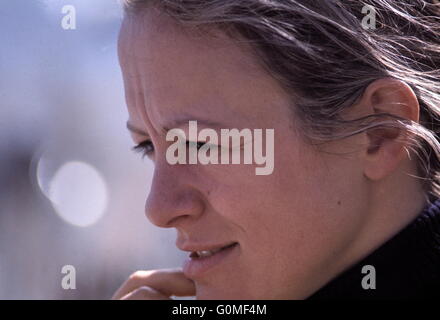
[[168, 282], [145, 293]]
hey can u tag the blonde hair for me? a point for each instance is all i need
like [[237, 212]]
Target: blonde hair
[[323, 57]]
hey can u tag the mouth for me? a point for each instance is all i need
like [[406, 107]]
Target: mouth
[[209, 253], [201, 261]]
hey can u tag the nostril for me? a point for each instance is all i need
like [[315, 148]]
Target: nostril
[[173, 197], [176, 221], [172, 211]]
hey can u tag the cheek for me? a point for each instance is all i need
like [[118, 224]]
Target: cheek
[[307, 195], [265, 207], [295, 221]]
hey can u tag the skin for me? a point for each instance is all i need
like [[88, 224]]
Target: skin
[[320, 211]]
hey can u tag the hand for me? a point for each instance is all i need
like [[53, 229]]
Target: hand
[[155, 285]]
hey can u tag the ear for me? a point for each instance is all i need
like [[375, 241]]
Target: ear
[[386, 146]]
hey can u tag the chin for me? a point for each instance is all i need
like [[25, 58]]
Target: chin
[[222, 293], [210, 293]]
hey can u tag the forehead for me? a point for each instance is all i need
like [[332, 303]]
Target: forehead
[[167, 65], [151, 37]]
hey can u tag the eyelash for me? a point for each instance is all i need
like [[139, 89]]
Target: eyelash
[[146, 148]]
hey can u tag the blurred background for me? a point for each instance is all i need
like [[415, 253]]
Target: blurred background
[[71, 190]]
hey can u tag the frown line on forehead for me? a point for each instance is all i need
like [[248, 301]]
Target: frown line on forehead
[[178, 122]]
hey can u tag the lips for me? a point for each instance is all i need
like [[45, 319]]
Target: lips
[[208, 253], [203, 260]]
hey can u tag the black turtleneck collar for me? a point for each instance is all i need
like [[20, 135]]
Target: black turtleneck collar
[[407, 266]]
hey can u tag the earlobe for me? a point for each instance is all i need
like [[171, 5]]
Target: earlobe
[[395, 105]]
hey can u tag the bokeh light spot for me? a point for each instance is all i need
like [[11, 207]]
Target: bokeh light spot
[[78, 193]]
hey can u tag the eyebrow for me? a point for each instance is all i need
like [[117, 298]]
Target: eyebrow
[[184, 120], [176, 124]]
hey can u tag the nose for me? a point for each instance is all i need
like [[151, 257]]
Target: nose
[[172, 198]]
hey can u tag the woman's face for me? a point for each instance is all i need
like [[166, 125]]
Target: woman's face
[[294, 228]]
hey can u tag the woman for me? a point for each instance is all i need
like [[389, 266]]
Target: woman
[[352, 94]]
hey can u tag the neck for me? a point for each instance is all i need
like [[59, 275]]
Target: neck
[[406, 266], [394, 203]]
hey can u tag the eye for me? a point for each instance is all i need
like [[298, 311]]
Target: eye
[[146, 148], [192, 144]]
